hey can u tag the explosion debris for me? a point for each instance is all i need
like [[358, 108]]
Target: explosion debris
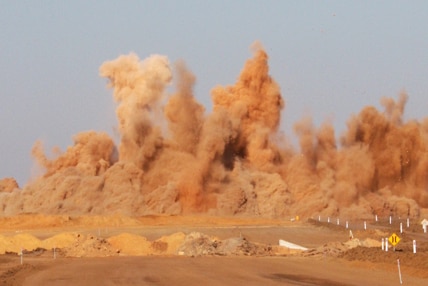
[[174, 157]]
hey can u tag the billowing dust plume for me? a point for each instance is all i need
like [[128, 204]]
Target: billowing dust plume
[[174, 157]]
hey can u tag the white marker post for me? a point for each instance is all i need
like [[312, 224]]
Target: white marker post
[[399, 271], [346, 224], [383, 244], [319, 218], [414, 246], [408, 222], [401, 227], [386, 244], [337, 221], [328, 219], [390, 219], [376, 218], [365, 225]]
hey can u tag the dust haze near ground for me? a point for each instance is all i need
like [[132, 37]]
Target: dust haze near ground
[[175, 158]]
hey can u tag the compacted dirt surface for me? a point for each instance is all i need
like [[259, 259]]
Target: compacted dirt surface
[[202, 250]]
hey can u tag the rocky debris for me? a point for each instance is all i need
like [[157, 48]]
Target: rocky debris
[[328, 249], [192, 244], [197, 244], [336, 249], [88, 245], [172, 242]]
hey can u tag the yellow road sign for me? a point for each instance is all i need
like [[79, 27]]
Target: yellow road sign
[[394, 239]]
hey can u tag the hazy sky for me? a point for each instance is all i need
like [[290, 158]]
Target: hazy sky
[[331, 58]]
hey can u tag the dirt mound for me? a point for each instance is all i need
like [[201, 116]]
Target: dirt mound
[[193, 244], [336, 248], [197, 244], [62, 240], [130, 244], [87, 246], [67, 244], [18, 243], [414, 264], [172, 242], [33, 221], [37, 221]]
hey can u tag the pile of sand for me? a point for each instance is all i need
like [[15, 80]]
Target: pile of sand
[[130, 244], [173, 242], [61, 240], [80, 245], [74, 244], [18, 243], [88, 246]]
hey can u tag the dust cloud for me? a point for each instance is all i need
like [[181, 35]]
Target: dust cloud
[[174, 157]]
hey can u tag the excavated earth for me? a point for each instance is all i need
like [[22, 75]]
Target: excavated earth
[[189, 250]]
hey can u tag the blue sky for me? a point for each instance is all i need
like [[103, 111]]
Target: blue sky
[[331, 58]]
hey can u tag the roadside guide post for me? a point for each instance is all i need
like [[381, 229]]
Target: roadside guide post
[[424, 225], [399, 271]]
